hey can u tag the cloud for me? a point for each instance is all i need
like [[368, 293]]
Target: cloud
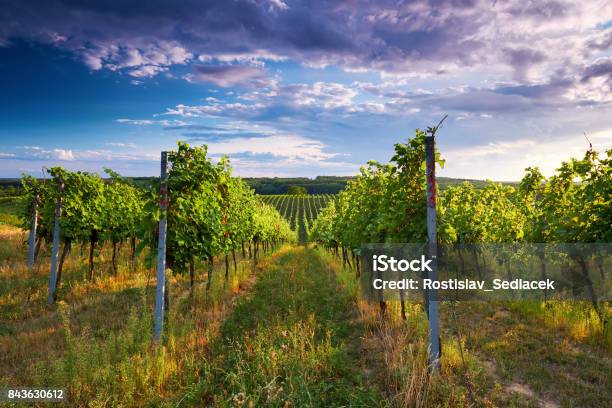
[[280, 167], [146, 122], [225, 75], [122, 144], [214, 109], [37, 153], [224, 130], [513, 156], [321, 94], [600, 68], [505, 71], [291, 100], [139, 60], [287, 146], [440, 37], [62, 154]]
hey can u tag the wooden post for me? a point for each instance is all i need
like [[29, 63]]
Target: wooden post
[[161, 249], [432, 296], [32, 240], [56, 239]]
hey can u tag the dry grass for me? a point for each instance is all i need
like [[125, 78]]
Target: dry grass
[[96, 341], [512, 354]]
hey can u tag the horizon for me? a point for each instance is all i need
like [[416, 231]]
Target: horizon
[[300, 89]]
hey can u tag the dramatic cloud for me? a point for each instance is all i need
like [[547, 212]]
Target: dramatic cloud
[[294, 81], [532, 39]]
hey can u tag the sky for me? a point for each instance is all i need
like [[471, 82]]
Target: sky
[[303, 88]]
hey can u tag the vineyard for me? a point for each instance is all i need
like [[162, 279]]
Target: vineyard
[[195, 291], [300, 210]]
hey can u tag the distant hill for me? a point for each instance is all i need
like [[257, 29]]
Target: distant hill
[[280, 185]]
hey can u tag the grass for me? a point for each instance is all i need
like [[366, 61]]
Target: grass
[[541, 358], [96, 341], [291, 342], [515, 354], [11, 209], [288, 332]]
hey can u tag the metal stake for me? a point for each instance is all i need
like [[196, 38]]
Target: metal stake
[[56, 239], [433, 308], [161, 250]]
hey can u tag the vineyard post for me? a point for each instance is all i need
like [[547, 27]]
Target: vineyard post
[[161, 249], [32, 240], [433, 308], [56, 238]]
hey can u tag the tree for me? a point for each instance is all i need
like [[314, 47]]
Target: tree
[[297, 190]]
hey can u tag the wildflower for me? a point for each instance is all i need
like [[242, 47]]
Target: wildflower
[[239, 399]]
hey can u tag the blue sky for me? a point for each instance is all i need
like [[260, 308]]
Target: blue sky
[[302, 88]]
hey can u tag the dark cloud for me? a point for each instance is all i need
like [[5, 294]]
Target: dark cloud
[[601, 68], [602, 42], [544, 91], [522, 59], [538, 9], [145, 38], [226, 75]]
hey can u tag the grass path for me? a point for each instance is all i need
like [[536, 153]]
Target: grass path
[[289, 342], [536, 361]]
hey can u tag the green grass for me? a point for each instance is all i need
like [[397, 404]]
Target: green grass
[[11, 209], [291, 342], [97, 341], [290, 331], [515, 354], [545, 357]]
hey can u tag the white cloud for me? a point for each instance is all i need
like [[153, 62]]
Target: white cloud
[[140, 61], [319, 96], [283, 167], [145, 122], [147, 71], [279, 4], [327, 95], [62, 154], [72, 155], [213, 109], [255, 57], [122, 144], [507, 160], [287, 146]]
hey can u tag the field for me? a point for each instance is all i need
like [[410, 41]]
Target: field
[[300, 210], [263, 304], [287, 331]]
